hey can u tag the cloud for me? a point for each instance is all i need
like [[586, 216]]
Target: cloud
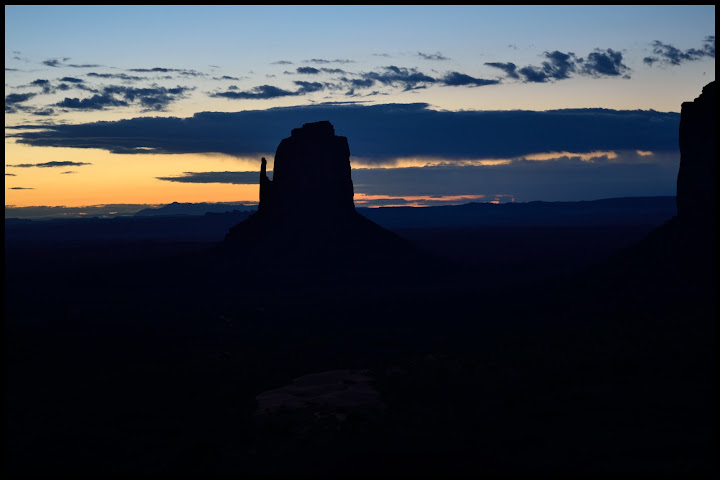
[[407, 78], [49, 164], [561, 179], [333, 70], [308, 87], [68, 172], [432, 56], [52, 63], [13, 102], [236, 178], [533, 74], [22, 188], [10, 175], [670, 55], [181, 71], [14, 98], [376, 132], [509, 68], [96, 102], [119, 76], [47, 87], [460, 79], [607, 63], [316, 71], [323, 61], [264, 92], [410, 79], [358, 82], [560, 66], [41, 112], [150, 99], [43, 84], [55, 63], [261, 92]]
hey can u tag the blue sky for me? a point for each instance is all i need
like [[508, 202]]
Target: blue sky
[[428, 75]]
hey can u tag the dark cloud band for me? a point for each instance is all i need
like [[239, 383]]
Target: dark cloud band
[[377, 132]]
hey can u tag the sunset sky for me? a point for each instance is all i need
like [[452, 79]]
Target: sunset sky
[[129, 106]]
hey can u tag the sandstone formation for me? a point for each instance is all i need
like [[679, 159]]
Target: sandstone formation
[[696, 177], [306, 212], [682, 252], [312, 167]]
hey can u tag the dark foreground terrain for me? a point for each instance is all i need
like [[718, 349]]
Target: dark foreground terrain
[[508, 349]]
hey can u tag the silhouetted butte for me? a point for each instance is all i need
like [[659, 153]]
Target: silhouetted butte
[[306, 212]]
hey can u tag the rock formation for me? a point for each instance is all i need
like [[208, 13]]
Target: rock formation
[[306, 212], [696, 177], [312, 167], [681, 253]]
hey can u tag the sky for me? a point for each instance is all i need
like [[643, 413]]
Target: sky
[[115, 108]]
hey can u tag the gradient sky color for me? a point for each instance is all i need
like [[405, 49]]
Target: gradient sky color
[[72, 66]]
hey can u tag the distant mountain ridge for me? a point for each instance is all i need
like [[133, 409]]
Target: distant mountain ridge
[[177, 208], [625, 211], [211, 226]]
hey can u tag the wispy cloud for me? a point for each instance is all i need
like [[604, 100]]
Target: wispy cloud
[[264, 92], [432, 56], [12, 100], [455, 79], [237, 178], [324, 61], [260, 92], [56, 63], [118, 76], [605, 63], [49, 164], [667, 54], [150, 99], [509, 68], [561, 65], [181, 71]]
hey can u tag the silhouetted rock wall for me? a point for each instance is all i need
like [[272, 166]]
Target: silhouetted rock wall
[[696, 177], [306, 212], [312, 168]]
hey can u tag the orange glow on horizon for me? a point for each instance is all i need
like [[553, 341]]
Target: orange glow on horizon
[[359, 163], [363, 200], [107, 178], [585, 157]]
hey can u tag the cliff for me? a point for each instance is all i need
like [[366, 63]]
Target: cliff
[[696, 176], [306, 212]]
